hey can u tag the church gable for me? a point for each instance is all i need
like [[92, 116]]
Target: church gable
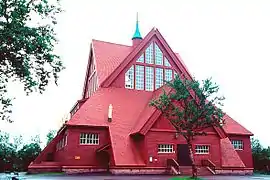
[[149, 69], [91, 82], [163, 124]]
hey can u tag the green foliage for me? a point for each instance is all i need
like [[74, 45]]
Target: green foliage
[[261, 156], [189, 107], [27, 154], [16, 155], [51, 134], [27, 41]]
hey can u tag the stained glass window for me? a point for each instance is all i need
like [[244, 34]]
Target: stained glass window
[[149, 78], [168, 74], [141, 59], [158, 56], [139, 84], [166, 62], [159, 77], [149, 54]]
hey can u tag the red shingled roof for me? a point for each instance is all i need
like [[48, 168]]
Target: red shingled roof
[[233, 127], [131, 112], [94, 112], [108, 57], [229, 157]]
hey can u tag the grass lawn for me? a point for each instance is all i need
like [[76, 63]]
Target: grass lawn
[[47, 174], [185, 178]]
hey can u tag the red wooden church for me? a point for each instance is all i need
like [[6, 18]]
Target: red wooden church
[[113, 128]]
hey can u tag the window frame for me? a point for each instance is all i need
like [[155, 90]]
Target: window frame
[[202, 149], [241, 145], [153, 65], [87, 138], [143, 76], [170, 146], [130, 71], [149, 72]]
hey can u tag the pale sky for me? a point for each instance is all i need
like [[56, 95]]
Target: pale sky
[[227, 40]]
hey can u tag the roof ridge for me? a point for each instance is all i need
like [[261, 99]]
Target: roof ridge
[[111, 42]]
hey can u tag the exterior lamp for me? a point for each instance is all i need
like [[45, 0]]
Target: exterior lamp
[[110, 113]]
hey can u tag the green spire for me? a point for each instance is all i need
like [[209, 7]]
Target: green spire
[[137, 34]]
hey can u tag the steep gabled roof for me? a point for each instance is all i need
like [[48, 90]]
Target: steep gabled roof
[[108, 57], [127, 105], [131, 112], [233, 127], [138, 49], [229, 157]]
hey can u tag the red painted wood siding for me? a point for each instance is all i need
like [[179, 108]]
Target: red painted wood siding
[[87, 153], [246, 153], [91, 79], [163, 132]]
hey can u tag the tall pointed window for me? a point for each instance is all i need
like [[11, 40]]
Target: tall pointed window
[[139, 77], [141, 58], [158, 56], [166, 62], [150, 70], [129, 78], [159, 77], [168, 74], [149, 59], [149, 80]]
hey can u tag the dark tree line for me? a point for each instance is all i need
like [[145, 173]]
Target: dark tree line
[[15, 155], [261, 157]]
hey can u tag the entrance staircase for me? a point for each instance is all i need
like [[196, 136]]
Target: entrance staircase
[[173, 167], [209, 165], [207, 168]]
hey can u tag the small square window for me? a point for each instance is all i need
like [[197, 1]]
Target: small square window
[[92, 139], [238, 144], [202, 149], [165, 148]]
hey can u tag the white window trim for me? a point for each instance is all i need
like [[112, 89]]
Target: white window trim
[[237, 148], [201, 145], [172, 147], [85, 138]]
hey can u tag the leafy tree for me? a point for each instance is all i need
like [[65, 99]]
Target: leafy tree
[[27, 41], [6, 152], [50, 136], [191, 108], [256, 145], [27, 154], [261, 156]]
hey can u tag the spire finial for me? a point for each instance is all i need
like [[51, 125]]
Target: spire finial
[[137, 34]]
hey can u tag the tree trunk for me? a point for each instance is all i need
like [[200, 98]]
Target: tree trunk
[[194, 168]]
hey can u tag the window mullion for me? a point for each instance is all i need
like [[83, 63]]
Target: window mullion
[[144, 77]]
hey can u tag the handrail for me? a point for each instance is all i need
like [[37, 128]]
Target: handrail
[[172, 162], [209, 163]]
